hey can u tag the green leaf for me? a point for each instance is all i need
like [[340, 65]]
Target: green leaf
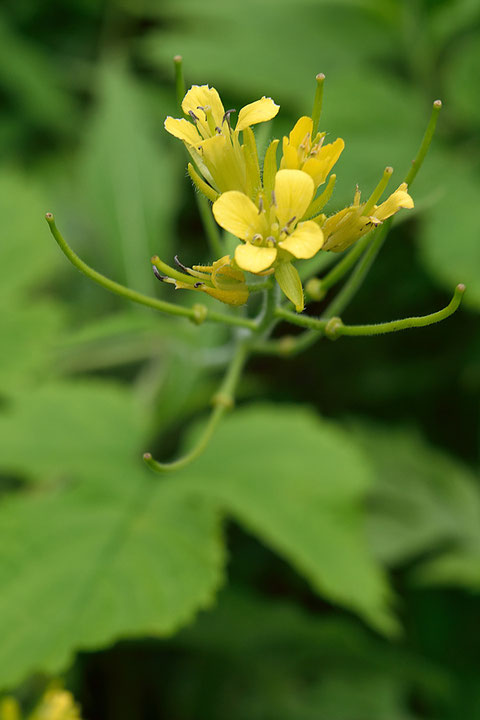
[[254, 41], [423, 502], [264, 659], [27, 337], [129, 182], [451, 227], [81, 569], [27, 254], [297, 482], [78, 430], [289, 280]]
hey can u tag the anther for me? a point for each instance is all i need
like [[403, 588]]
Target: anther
[[271, 240], [260, 205], [226, 117], [218, 130], [274, 199], [181, 265], [158, 275], [292, 220], [198, 284], [257, 238], [193, 116]]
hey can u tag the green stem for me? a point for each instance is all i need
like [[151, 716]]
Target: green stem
[[335, 328], [222, 401], [179, 80], [425, 144], [197, 314], [209, 225], [266, 321], [342, 267], [317, 104], [305, 321], [356, 279]]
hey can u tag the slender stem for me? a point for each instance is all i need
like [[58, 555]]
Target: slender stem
[[197, 314], [257, 286], [305, 321], [342, 267], [335, 328], [425, 144], [179, 79], [319, 262], [222, 401], [317, 104], [209, 225], [356, 279], [318, 204], [377, 193], [268, 312]]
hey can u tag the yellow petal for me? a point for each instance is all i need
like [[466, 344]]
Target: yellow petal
[[256, 112], [322, 163], [254, 259], [398, 199], [289, 158], [305, 242], [236, 213], [182, 129], [302, 127], [201, 96], [293, 192], [222, 163], [223, 272]]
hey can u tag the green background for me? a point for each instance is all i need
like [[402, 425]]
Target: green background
[[322, 559]]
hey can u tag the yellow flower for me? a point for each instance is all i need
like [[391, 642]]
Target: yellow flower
[[220, 280], [212, 143], [271, 232], [302, 152], [347, 226], [56, 705]]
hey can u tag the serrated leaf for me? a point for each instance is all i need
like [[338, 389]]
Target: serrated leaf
[[423, 502], [80, 570], [77, 430], [297, 482]]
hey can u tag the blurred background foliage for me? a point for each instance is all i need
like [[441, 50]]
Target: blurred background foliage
[[339, 507]]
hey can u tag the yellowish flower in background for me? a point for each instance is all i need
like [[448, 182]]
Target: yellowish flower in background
[[56, 705], [209, 138], [271, 233], [220, 280], [347, 226], [302, 152]]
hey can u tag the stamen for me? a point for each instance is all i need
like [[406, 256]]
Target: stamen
[[181, 265], [218, 130], [274, 199], [257, 238], [193, 116], [158, 275], [291, 220], [226, 117], [198, 284], [260, 205], [271, 240]]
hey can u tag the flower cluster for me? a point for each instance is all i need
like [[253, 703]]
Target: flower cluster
[[274, 210]]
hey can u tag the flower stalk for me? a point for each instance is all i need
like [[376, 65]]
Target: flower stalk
[[275, 211]]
